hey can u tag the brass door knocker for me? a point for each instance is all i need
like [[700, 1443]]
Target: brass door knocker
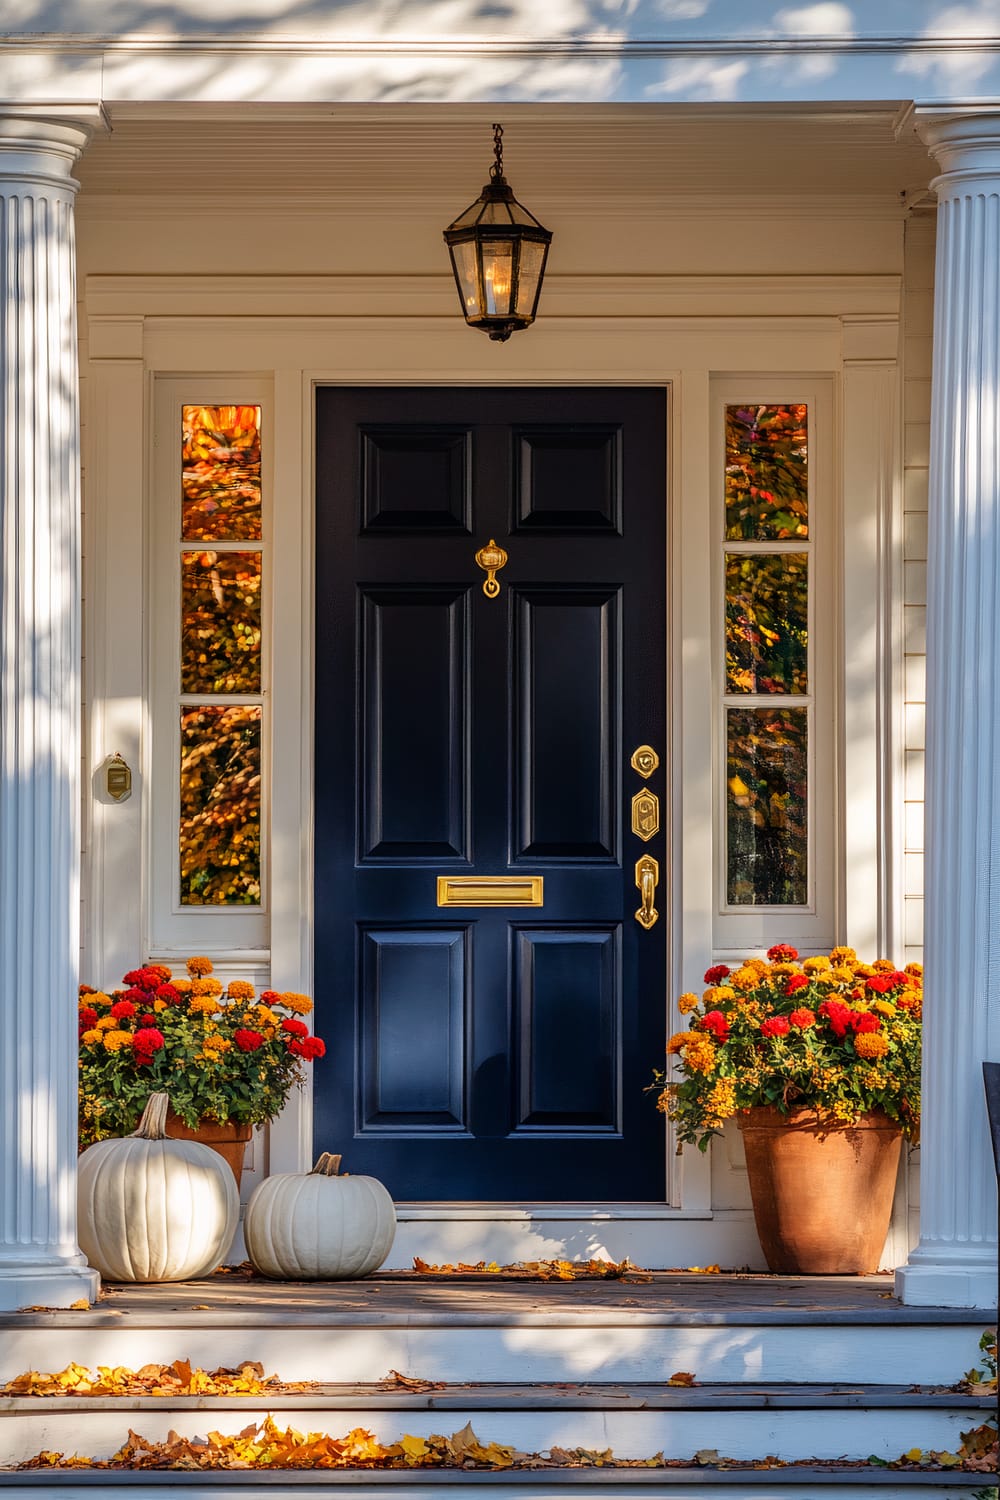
[[491, 559]]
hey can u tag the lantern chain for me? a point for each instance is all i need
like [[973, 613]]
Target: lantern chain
[[496, 171]]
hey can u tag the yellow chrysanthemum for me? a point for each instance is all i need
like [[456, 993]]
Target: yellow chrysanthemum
[[843, 975], [884, 1007], [198, 967], [211, 987], [216, 1043], [182, 986], [687, 1003], [815, 965], [699, 1053], [300, 1004], [784, 968], [663, 1100], [745, 978], [266, 1016], [679, 1040], [884, 966], [917, 970], [115, 1040], [843, 955], [827, 980], [97, 999], [864, 971], [721, 1102], [160, 1006], [204, 1005], [871, 1045], [107, 1023], [93, 1036], [759, 965], [239, 989]]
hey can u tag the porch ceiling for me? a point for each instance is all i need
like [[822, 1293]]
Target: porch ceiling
[[385, 152]]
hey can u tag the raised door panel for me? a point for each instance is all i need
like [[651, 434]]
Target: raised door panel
[[568, 478], [567, 1030], [565, 751], [414, 748], [413, 1029], [415, 477]]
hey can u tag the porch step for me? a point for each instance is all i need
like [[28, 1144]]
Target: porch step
[[745, 1421]]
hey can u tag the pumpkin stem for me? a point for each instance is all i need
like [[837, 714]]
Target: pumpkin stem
[[327, 1166], [153, 1125]]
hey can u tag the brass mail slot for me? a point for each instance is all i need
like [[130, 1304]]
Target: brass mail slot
[[490, 890]]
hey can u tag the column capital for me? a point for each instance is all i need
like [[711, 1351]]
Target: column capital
[[42, 143], [963, 139]]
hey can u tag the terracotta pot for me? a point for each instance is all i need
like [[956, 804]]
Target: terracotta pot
[[229, 1140], [822, 1192]]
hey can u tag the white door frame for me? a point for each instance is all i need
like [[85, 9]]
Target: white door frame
[[297, 333]]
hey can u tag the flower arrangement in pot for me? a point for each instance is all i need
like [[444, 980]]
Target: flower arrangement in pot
[[223, 1055], [818, 1060]]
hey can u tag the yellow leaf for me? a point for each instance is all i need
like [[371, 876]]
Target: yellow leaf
[[913, 1455], [413, 1447], [80, 1305], [681, 1377]]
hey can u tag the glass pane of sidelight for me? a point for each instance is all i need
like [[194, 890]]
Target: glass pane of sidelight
[[220, 806], [767, 622], [220, 622], [766, 481], [220, 473], [766, 807]]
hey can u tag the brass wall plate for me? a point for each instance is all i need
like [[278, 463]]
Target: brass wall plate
[[644, 760], [490, 890], [645, 814]]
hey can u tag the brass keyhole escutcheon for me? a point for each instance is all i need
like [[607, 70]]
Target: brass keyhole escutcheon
[[491, 559]]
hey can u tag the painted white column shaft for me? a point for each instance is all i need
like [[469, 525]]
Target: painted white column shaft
[[40, 1262], [954, 1264]]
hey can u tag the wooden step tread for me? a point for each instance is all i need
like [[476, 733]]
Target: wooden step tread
[[538, 1396]]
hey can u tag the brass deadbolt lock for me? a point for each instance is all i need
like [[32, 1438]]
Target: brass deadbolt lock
[[118, 779]]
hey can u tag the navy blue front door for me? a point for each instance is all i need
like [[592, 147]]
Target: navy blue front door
[[492, 1051]]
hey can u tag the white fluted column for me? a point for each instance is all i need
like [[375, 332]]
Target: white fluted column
[[40, 1262], [955, 1262]]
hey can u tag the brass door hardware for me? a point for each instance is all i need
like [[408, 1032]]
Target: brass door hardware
[[645, 814], [644, 760], [490, 890], [491, 559], [647, 875], [118, 778]]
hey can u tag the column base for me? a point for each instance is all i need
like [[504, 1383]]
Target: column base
[[27, 1286], [948, 1285]]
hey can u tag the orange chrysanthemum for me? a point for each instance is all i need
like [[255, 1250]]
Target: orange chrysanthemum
[[871, 1044], [211, 987], [199, 967], [239, 989], [300, 1004]]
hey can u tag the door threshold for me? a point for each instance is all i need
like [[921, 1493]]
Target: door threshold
[[428, 1211]]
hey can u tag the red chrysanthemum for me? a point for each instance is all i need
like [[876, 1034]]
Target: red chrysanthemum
[[146, 1021], [717, 973], [838, 1014], [146, 978], [796, 982], [270, 997], [715, 1022], [136, 995], [248, 1041], [87, 989], [168, 993], [774, 1026], [863, 1020], [879, 984], [89, 1016], [295, 1028], [148, 1039], [803, 1018], [307, 1047], [782, 953], [122, 1010]]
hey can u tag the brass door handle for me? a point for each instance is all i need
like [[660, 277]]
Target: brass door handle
[[647, 875]]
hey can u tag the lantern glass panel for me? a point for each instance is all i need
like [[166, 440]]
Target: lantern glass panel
[[498, 270], [532, 261], [464, 258]]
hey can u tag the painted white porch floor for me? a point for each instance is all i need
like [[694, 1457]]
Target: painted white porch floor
[[804, 1368]]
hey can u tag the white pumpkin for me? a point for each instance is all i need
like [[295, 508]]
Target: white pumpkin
[[308, 1226], [155, 1209]]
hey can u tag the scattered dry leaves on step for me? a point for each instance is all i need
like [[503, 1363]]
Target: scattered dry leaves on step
[[177, 1379], [394, 1381], [267, 1445], [539, 1270]]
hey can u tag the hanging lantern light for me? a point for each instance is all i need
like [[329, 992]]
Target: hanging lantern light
[[498, 252]]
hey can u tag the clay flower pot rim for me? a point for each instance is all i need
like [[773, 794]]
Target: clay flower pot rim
[[769, 1117]]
